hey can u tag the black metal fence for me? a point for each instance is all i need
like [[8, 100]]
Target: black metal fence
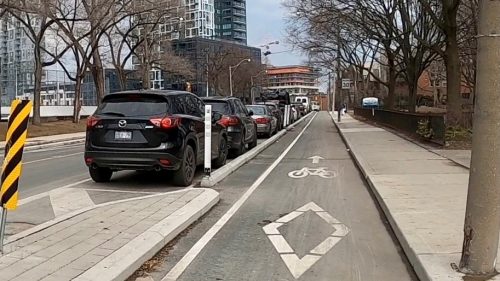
[[410, 123]]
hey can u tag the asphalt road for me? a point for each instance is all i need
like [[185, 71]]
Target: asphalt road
[[285, 216], [55, 182]]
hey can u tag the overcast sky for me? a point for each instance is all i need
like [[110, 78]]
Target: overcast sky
[[266, 23]]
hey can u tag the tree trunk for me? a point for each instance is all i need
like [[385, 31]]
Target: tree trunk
[[391, 88], [122, 78], [77, 106], [38, 87], [482, 216], [146, 79], [412, 97], [98, 75], [146, 67], [454, 81]]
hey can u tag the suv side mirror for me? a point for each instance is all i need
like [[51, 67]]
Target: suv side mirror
[[216, 116], [250, 113]]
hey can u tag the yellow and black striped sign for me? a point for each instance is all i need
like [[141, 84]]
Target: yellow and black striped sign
[[17, 132]]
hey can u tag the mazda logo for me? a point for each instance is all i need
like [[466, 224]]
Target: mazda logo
[[122, 123]]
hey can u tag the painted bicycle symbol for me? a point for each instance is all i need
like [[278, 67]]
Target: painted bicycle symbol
[[304, 172]]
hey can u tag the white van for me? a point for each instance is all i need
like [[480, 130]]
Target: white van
[[305, 101], [315, 106]]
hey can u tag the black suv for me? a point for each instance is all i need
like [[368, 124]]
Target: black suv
[[151, 130], [241, 127]]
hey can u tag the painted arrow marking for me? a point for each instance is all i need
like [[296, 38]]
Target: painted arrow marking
[[298, 266], [316, 159]]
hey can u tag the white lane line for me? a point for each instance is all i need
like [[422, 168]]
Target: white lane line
[[67, 200], [325, 246], [280, 244], [44, 194], [298, 266], [53, 158], [272, 228], [122, 191], [182, 265]]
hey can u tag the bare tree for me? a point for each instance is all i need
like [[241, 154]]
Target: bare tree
[[363, 30], [418, 40], [36, 26]]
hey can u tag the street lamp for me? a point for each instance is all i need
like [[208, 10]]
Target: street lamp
[[231, 70], [251, 79]]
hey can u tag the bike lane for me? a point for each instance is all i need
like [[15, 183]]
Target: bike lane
[[312, 218]]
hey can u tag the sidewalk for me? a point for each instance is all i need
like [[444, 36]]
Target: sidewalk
[[49, 141], [108, 242], [422, 194]]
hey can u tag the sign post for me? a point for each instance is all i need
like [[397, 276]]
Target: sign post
[[17, 132], [287, 112], [346, 84], [208, 140]]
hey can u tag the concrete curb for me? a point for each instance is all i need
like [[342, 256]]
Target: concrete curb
[[410, 254], [37, 145], [67, 216], [53, 144], [126, 260], [229, 168]]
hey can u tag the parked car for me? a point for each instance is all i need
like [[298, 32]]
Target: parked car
[[276, 111], [241, 127], [315, 106], [266, 122], [151, 130], [301, 110], [306, 102]]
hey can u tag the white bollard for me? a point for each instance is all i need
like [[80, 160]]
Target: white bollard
[[208, 140]]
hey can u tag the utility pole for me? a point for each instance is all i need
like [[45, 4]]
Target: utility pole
[[208, 73], [339, 78], [329, 92], [482, 217]]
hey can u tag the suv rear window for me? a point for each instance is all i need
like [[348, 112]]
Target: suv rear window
[[257, 110], [219, 106], [133, 106]]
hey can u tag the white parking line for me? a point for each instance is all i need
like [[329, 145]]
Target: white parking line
[[53, 158], [44, 194], [182, 265], [67, 200]]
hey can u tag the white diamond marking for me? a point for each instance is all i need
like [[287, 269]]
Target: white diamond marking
[[295, 265]]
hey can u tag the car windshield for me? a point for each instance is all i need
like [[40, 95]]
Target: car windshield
[[128, 106], [219, 106], [257, 110]]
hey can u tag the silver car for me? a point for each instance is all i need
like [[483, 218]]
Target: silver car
[[267, 123]]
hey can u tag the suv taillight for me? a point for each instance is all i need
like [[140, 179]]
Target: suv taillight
[[262, 120], [166, 123], [228, 121], [92, 121]]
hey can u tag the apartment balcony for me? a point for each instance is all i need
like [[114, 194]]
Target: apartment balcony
[[237, 12], [239, 5], [239, 20]]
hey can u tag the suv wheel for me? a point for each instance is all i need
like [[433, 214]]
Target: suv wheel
[[254, 140], [270, 133], [242, 149], [185, 175], [223, 151], [100, 174]]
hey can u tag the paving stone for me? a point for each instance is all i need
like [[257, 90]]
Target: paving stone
[[20, 267], [67, 249]]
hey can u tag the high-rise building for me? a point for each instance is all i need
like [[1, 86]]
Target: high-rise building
[[231, 20], [17, 64], [198, 20], [16, 59]]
